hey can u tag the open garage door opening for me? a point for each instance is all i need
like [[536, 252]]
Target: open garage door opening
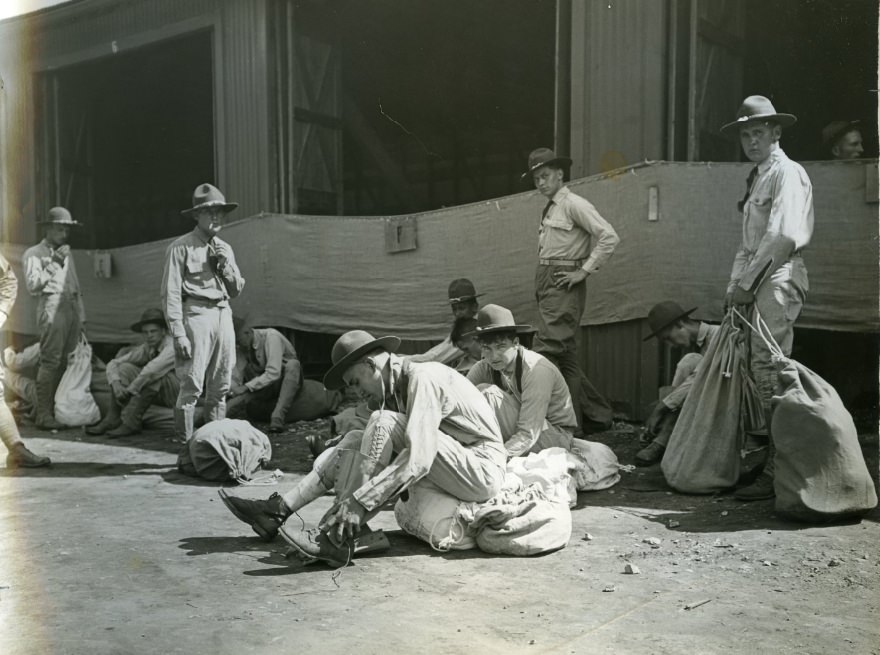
[[123, 140]]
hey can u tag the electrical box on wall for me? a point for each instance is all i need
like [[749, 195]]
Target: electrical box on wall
[[400, 234], [103, 264]]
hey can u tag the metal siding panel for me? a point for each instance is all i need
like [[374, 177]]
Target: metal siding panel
[[243, 81], [620, 365], [619, 83]]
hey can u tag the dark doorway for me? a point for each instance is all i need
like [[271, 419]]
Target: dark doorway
[[443, 100], [124, 140], [816, 59]]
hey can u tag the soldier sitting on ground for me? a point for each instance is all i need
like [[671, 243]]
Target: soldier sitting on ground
[[140, 377]]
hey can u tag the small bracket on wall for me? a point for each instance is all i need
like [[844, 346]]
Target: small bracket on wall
[[103, 264], [400, 234], [653, 204]]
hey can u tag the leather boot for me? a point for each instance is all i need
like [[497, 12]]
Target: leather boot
[[46, 400], [20, 457], [133, 414], [264, 516], [353, 469], [109, 422]]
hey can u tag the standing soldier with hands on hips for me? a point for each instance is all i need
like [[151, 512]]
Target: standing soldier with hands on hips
[[573, 242]]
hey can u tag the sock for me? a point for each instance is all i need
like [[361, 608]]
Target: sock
[[8, 429]]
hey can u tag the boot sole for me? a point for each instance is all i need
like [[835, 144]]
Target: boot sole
[[265, 536]]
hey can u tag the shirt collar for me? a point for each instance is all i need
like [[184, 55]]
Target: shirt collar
[[775, 156], [200, 236], [259, 339], [559, 195], [702, 333]]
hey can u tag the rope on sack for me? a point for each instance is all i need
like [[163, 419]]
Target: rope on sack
[[262, 480]]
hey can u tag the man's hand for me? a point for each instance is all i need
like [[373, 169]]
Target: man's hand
[[61, 253], [237, 390], [182, 347], [742, 297], [120, 392], [656, 416], [344, 520], [222, 251], [566, 280]]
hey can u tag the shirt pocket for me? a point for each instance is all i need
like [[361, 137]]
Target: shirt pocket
[[196, 261], [559, 221]]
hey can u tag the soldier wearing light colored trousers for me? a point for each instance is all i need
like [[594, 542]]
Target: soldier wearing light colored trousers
[[768, 272], [199, 279], [434, 425]]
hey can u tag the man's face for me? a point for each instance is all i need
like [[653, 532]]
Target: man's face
[[849, 146], [57, 235], [470, 346], [499, 353], [464, 309], [245, 338], [210, 220], [675, 335], [758, 140], [153, 334], [548, 180], [366, 381]]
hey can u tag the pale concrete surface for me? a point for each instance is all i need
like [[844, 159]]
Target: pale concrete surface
[[112, 551]]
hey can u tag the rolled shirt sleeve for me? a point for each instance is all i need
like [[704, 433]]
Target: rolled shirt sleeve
[[444, 352], [604, 237]]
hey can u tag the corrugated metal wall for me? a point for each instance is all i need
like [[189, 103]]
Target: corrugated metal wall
[[618, 83], [81, 32]]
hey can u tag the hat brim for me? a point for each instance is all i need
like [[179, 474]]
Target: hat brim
[[333, 378], [452, 301], [564, 161], [139, 326], [67, 223], [519, 329], [784, 120], [226, 207], [668, 323]]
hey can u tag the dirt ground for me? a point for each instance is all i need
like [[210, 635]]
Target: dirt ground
[[112, 551]]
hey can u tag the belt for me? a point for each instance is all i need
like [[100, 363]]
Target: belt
[[561, 262]]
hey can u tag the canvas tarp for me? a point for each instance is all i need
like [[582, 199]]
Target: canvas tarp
[[330, 274]]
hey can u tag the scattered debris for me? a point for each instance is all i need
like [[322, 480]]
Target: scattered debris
[[725, 513], [697, 604], [673, 524], [653, 542], [834, 562], [609, 588], [631, 569], [587, 537], [531, 642], [766, 562]]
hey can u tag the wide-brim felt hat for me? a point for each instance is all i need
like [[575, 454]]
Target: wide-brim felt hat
[[462, 289], [756, 109], [59, 216], [349, 348], [836, 129], [544, 157], [664, 314], [156, 316], [207, 196], [495, 318]]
